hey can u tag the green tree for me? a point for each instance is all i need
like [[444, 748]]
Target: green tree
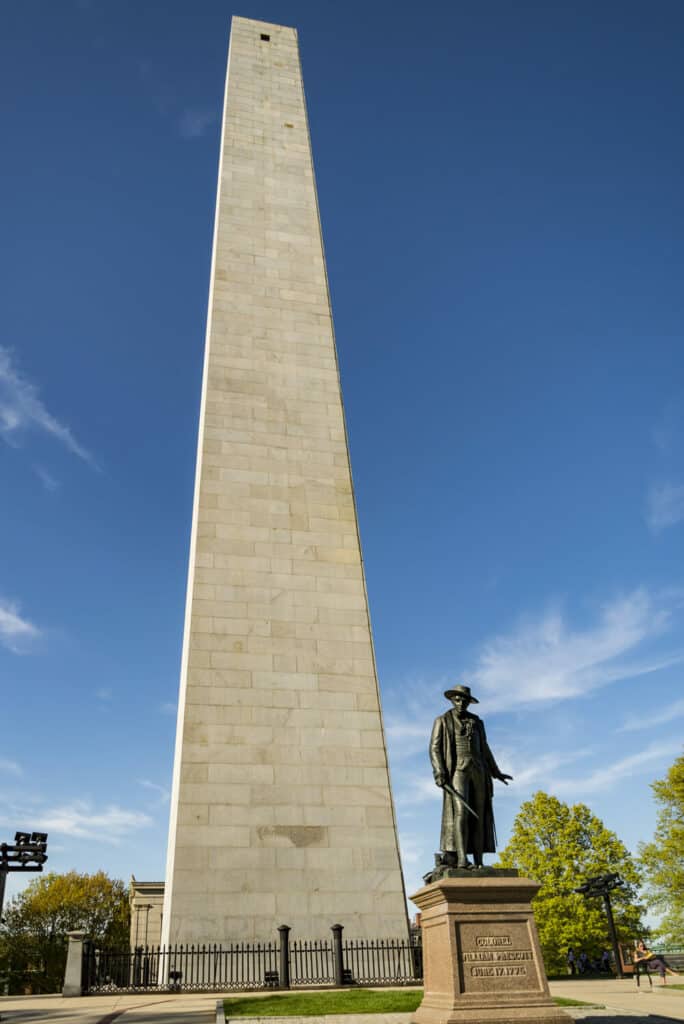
[[33, 933], [560, 847], [663, 859]]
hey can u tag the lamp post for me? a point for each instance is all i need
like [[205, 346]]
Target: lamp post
[[603, 885], [26, 853]]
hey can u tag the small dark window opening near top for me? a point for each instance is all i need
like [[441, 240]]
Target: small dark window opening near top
[[265, 38]]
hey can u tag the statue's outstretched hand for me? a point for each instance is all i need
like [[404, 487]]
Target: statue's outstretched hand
[[439, 780], [504, 778]]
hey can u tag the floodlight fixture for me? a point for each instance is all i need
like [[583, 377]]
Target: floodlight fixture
[[26, 853]]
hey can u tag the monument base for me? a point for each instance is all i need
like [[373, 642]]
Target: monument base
[[443, 871], [481, 956]]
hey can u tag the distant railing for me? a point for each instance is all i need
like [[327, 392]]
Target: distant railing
[[241, 966], [383, 961]]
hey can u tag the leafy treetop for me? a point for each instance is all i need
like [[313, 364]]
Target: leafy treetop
[[663, 859], [561, 846], [33, 931]]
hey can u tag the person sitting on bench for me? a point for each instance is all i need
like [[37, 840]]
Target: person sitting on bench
[[650, 961]]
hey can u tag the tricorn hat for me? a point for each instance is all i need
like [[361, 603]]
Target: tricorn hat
[[461, 691]]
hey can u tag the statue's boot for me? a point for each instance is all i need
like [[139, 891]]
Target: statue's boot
[[461, 857]]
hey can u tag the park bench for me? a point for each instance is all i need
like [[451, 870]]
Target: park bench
[[674, 959]]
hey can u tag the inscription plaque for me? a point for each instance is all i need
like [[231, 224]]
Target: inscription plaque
[[507, 958]]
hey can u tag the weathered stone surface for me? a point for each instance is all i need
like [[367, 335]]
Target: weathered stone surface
[[481, 956], [73, 974], [280, 760]]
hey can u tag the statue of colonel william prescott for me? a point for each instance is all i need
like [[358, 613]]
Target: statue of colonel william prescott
[[464, 766]]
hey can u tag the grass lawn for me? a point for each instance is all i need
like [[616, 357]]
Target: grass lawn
[[561, 1001], [356, 1000], [314, 1004]]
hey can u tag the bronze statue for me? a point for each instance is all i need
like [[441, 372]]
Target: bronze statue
[[464, 766]]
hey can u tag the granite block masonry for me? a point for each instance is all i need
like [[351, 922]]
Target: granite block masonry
[[281, 804]]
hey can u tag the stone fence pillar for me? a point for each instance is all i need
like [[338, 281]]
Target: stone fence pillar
[[73, 976]]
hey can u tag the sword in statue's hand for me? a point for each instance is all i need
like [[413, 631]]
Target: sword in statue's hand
[[454, 792]]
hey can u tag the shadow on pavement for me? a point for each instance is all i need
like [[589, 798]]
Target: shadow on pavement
[[588, 1016], [199, 1016], [35, 1014], [130, 1015]]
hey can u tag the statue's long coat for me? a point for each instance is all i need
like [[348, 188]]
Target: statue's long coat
[[443, 757]]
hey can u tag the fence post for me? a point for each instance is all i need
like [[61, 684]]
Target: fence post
[[337, 930], [284, 972], [73, 975], [417, 955]]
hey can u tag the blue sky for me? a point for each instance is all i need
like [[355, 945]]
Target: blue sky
[[500, 189]]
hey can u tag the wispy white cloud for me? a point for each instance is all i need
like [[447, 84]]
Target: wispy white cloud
[[417, 789], [608, 775], [408, 735], [411, 848], [546, 660], [664, 506], [47, 479], [193, 124], [104, 693], [79, 818], [168, 708], [163, 794], [542, 661], [16, 633], [22, 409], [8, 767], [663, 715], [549, 771], [530, 770], [409, 713]]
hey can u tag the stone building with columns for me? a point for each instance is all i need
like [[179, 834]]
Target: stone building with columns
[[147, 902]]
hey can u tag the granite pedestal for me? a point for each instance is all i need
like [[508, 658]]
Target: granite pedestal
[[481, 956]]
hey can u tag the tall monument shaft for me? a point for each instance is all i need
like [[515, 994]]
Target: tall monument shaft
[[281, 806]]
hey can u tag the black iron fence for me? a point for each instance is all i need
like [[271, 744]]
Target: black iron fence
[[311, 963], [384, 961], [241, 966]]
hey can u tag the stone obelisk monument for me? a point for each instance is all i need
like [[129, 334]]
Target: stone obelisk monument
[[281, 806]]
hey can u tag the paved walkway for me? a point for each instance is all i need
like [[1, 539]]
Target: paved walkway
[[625, 1004], [662, 1002], [190, 1008]]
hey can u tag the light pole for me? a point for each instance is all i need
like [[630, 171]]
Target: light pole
[[26, 853], [603, 885]]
